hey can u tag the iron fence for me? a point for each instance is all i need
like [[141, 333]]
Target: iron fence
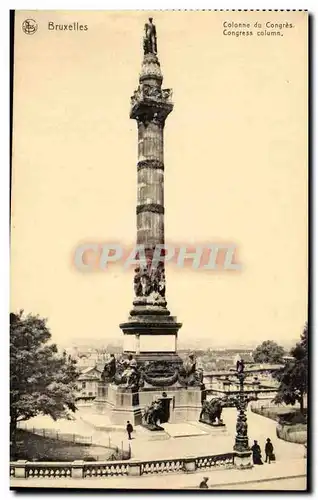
[[59, 436]]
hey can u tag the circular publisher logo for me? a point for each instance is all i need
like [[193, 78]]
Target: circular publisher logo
[[29, 26]]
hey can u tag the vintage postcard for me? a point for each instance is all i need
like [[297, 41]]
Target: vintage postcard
[[159, 243]]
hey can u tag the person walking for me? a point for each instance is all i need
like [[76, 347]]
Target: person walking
[[257, 454], [269, 451], [204, 483], [129, 429]]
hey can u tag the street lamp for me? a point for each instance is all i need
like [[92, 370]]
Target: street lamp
[[243, 453]]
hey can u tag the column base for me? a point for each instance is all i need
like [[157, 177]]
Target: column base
[[243, 459], [152, 338]]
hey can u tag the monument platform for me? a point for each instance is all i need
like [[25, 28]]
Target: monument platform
[[102, 423], [120, 405]]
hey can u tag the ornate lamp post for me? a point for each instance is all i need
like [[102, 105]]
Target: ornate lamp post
[[242, 458]]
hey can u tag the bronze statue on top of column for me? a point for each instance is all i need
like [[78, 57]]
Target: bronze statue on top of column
[[150, 38]]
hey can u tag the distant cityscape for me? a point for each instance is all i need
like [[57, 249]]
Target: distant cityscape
[[95, 354], [91, 361], [115, 345]]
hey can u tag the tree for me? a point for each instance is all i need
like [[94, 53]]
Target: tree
[[293, 377], [268, 352], [41, 380]]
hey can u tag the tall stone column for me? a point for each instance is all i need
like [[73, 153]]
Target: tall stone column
[[150, 332]]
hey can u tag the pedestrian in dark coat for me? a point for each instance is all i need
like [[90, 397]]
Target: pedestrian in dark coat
[[257, 454], [204, 483], [269, 451], [129, 429]]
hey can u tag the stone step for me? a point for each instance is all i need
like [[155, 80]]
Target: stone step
[[143, 434], [211, 429], [96, 423]]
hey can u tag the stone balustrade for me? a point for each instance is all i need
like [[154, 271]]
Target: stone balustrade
[[23, 469], [216, 461], [80, 469], [163, 466]]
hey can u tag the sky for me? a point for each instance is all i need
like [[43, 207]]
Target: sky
[[235, 171]]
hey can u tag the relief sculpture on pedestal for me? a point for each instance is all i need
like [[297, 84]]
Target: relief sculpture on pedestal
[[150, 282]]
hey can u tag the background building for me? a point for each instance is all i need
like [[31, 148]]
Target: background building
[[87, 385]]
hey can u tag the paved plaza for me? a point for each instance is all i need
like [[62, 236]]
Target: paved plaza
[[201, 442]]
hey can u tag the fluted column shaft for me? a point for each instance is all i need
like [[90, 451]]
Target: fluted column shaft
[[150, 178]]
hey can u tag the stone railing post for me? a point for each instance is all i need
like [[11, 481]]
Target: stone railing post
[[134, 469], [20, 469], [189, 465], [78, 469]]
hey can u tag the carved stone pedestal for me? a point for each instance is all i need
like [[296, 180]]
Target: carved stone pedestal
[[122, 404], [214, 430], [152, 337], [243, 459]]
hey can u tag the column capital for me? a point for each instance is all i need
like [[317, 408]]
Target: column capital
[[151, 103]]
